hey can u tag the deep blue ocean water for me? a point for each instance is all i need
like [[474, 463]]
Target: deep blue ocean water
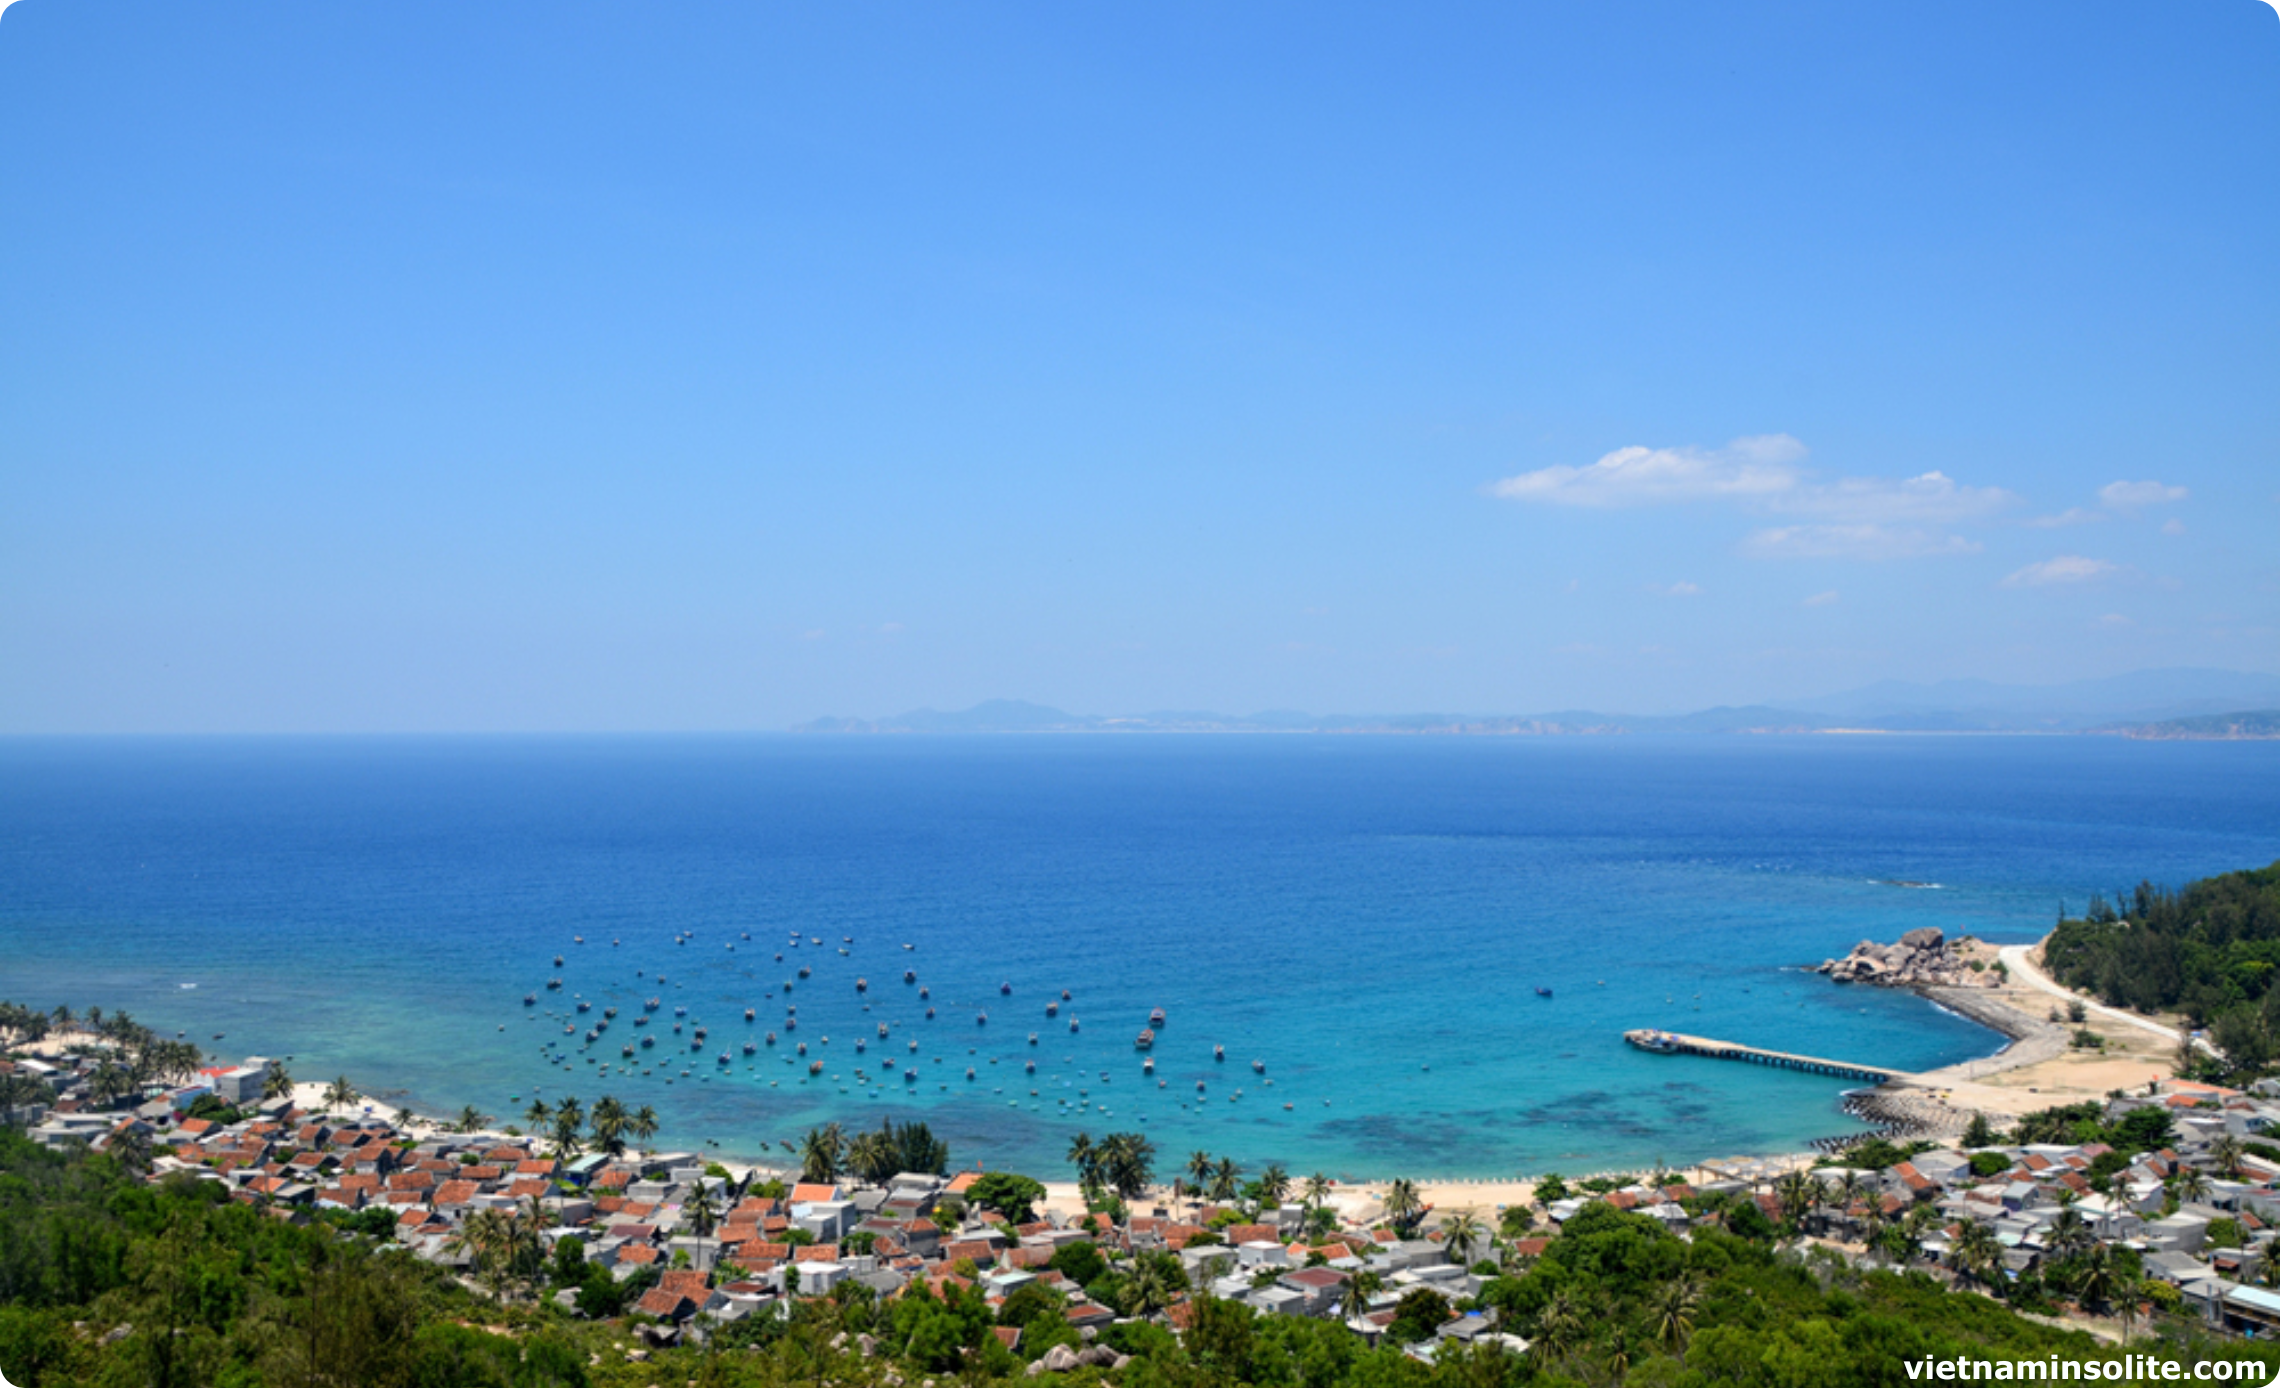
[[1367, 917]]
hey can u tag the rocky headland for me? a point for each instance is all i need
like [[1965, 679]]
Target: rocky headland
[[1923, 958]]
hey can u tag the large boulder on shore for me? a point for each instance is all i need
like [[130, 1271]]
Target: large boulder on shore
[[1922, 959]]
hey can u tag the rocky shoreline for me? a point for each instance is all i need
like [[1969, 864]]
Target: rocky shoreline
[[1923, 958], [1948, 975]]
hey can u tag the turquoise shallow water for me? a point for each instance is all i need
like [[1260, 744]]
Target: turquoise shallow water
[[1367, 917]]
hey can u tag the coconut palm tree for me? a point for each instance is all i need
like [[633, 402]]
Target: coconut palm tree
[[569, 1128], [538, 1115], [1848, 1190], [471, 1119], [703, 1209], [1978, 1254], [871, 1158], [608, 1121], [110, 1083], [278, 1083], [132, 1149], [1909, 1233], [1128, 1163], [1274, 1183], [1085, 1160], [2227, 1151], [22, 1025], [2263, 1268], [2069, 1234], [1201, 1167], [2190, 1183], [1559, 1329], [2128, 1293], [1798, 1194], [1147, 1290], [1619, 1358], [821, 1152], [642, 1124], [485, 1236], [2098, 1278], [1463, 1236], [1317, 1188], [1402, 1206], [1224, 1177], [1354, 1298], [1320, 1223], [1674, 1306], [23, 1091]]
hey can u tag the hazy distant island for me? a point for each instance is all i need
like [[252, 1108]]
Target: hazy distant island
[[2216, 727], [2153, 704]]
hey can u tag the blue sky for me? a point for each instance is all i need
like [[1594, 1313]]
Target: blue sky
[[424, 367]]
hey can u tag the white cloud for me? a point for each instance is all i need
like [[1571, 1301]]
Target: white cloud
[[1932, 497], [1852, 542], [1855, 515], [2072, 515], [1759, 466], [2066, 568], [2127, 497], [2173, 526], [1680, 589], [1821, 599]]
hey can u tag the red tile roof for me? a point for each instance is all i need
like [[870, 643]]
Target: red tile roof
[[665, 1305]]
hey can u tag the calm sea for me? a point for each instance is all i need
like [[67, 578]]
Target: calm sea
[[1368, 919]]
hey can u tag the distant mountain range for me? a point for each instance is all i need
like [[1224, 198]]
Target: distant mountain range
[[2205, 704]]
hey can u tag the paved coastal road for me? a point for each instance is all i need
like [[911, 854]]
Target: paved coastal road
[[2015, 959]]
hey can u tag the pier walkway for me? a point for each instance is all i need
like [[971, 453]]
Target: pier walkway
[[1678, 1043]]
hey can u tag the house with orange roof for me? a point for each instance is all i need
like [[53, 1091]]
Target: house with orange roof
[[981, 1251], [1086, 1315], [672, 1307]]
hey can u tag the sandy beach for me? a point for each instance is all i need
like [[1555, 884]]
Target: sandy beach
[[2043, 1067]]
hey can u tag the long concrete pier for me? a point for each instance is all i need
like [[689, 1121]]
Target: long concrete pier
[[1678, 1043]]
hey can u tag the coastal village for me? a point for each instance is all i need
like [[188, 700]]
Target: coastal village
[[697, 1245]]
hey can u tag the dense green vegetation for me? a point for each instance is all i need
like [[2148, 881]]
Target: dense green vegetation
[[2211, 951], [108, 1281], [175, 1286], [826, 1153]]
